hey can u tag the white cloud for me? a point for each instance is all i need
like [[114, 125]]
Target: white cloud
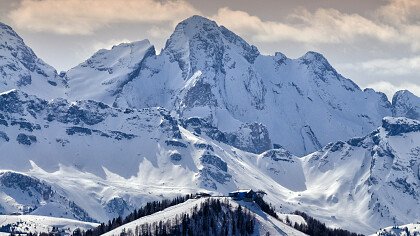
[[388, 67], [398, 12], [389, 89], [85, 17], [108, 44], [322, 26], [396, 22], [159, 32]]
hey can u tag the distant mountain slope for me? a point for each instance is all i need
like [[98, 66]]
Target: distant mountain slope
[[41, 224], [103, 76], [21, 68], [408, 229], [375, 178], [406, 104]]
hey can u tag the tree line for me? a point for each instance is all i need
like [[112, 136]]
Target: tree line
[[312, 226], [212, 217], [315, 227], [148, 209]]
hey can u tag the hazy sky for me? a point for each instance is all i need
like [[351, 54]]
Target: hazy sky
[[376, 43]]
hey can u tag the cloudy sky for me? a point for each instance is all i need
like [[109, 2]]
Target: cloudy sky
[[376, 43]]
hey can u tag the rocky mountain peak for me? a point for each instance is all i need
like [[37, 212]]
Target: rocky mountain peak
[[197, 38], [21, 68], [405, 103]]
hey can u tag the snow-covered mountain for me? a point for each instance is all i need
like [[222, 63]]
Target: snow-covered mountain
[[402, 230], [375, 178], [209, 113], [102, 76], [208, 71], [406, 104], [121, 158], [41, 224], [265, 224], [21, 68]]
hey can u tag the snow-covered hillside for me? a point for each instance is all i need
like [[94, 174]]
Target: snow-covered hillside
[[21, 68], [265, 225], [403, 230], [375, 178], [41, 224]]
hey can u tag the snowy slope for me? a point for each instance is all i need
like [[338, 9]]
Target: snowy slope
[[73, 146], [23, 194], [403, 230], [21, 68], [41, 224], [265, 223], [102, 76], [368, 182]]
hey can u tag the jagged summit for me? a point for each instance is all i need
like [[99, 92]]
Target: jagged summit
[[198, 37], [405, 103], [139, 43], [21, 68], [194, 24], [103, 76], [315, 58]]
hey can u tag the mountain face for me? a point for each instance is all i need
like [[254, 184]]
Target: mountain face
[[21, 68], [122, 158], [24, 194], [375, 177], [406, 104], [207, 71], [134, 156], [103, 76], [209, 113]]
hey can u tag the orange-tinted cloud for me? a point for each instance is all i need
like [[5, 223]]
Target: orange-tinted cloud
[[322, 26], [84, 17]]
